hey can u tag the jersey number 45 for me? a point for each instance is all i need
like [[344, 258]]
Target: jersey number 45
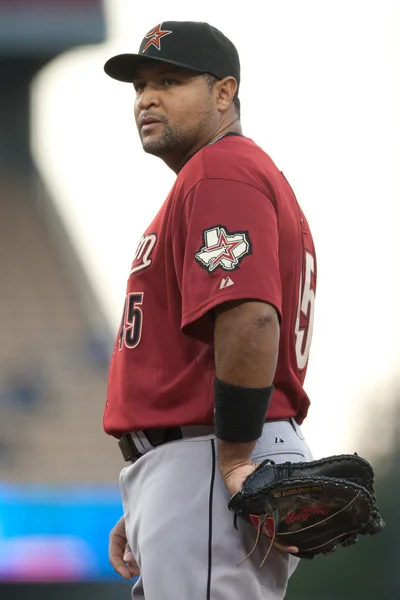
[[130, 332]]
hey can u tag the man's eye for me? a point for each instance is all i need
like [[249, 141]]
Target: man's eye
[[168, 81], [138, 86]]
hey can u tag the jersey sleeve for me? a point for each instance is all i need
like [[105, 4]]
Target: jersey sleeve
[[225, 248]]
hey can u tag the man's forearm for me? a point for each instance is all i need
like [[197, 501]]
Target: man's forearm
[[246, 345]]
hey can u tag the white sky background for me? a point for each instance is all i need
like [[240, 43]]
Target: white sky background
[[320, 93]]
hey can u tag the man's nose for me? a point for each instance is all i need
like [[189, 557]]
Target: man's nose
[[148, 97]]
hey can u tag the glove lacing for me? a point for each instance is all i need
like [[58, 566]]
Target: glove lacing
[[275, 517]]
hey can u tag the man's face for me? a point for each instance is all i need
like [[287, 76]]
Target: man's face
[[174, 109]]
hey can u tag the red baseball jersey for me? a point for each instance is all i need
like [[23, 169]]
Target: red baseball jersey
[[230, 229]]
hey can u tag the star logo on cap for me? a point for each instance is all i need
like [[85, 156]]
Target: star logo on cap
[[154, 37]]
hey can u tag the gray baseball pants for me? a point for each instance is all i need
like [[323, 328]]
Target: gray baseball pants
[[181, 531]]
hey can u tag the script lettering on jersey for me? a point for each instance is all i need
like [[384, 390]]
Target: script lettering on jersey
[[142, 259]]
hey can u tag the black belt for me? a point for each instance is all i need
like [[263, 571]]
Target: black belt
[[157, 437]]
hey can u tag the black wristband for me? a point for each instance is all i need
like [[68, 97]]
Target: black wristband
[[239, 412]]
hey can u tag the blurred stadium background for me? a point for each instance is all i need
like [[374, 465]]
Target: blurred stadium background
[[58, 471]]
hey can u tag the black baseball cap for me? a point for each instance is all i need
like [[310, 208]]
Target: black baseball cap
[[192, 45]]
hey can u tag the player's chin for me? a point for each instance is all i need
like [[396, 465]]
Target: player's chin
[[155, 145]]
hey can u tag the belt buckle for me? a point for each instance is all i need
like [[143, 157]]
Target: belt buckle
[[128, 448]]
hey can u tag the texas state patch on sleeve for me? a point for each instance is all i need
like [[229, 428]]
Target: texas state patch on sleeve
[[222, 249]]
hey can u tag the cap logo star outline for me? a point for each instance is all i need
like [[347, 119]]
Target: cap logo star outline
[[223, 249], [154, 37]]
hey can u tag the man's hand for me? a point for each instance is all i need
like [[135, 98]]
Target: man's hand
[[234, 479], [234, 476], [120, 554]]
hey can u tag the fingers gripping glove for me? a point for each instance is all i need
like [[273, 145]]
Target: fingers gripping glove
[[313, 505]]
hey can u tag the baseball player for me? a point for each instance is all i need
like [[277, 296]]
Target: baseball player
[[206, 377]]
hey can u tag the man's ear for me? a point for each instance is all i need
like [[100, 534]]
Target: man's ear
[[226, 90]]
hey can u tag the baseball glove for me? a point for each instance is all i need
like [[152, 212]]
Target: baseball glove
[[313, 505]]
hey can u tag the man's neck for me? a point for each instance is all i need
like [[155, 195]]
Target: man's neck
[[176, 163]]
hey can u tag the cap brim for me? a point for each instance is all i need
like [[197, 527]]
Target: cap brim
[[123, 67]]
